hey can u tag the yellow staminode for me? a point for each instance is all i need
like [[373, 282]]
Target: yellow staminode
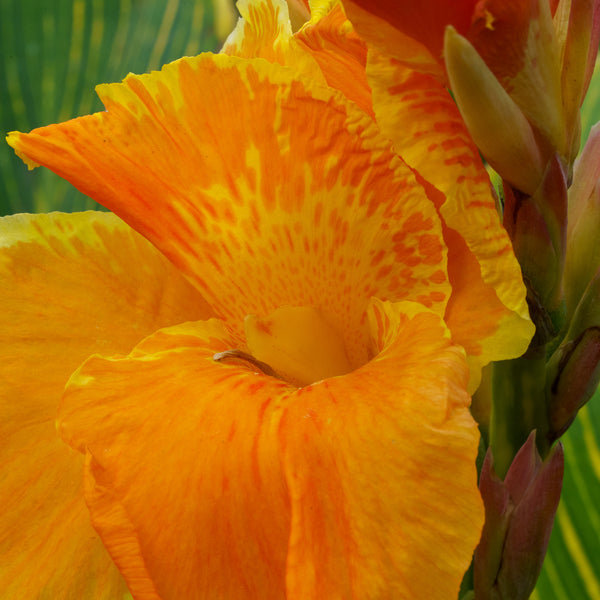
[[298, 343]]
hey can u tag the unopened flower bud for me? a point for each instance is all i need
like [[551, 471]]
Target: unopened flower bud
[[537, 226], [576, 367], [578, 29], [519, 514], [497, 124], [583, 243]]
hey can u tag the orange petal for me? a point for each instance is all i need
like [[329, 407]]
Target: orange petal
[[288, 197], [183, 477], [422, 120], [206, 478], [71, 285], [326, 49], [264, 31], [380, 469], [340, 53]]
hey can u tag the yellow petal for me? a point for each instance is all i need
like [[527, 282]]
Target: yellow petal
[[286, 196], [298, 343], [421, 119], [326, 49], [358, 486], [71, 285]]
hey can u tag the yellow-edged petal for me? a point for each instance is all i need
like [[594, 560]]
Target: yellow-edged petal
[[71, 285], [340, 53], [360, 486], [265, 31], [439, 146], [264, 190], [421, 119], [326, 49]]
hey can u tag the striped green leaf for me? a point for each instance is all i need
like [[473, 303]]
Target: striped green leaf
[[572, 566], [590, 111], [53, 53]]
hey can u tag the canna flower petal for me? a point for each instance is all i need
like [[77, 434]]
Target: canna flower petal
[[418, 114], [264, 31], [71, 285], [247, 198], [266, 181], [327, 48], [300, 493], [340, 53], [424, 22], [366, 458]]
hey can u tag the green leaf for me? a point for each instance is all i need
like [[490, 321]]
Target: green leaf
[[572, 566], [590, 110], [54, 52]]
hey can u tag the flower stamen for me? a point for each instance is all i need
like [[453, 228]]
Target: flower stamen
[[236, 353]]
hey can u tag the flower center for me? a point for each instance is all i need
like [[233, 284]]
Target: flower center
[[298, 343]]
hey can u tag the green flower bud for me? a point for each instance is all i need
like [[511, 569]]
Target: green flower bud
[[497, 124]]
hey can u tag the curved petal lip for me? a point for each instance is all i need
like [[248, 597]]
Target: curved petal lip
[[289, 484]]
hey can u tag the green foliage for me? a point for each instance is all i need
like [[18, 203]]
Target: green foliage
[[590, 111], [53, 53]]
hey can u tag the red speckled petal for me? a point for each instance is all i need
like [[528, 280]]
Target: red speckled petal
[[488, 313], [264, 190]]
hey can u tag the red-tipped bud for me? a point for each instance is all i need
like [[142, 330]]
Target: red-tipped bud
[[519, 514], [575, 372]]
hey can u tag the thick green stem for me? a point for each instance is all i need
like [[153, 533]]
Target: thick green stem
[[519, 407]]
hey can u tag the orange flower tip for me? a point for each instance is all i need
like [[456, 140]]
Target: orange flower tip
[[13, 139], [496, 123], [299, 343]]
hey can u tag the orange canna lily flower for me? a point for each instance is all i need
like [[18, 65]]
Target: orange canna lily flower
[[268, 395]]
